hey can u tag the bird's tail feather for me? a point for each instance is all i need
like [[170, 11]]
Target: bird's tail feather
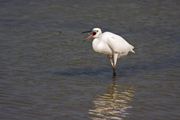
[[132, 49]]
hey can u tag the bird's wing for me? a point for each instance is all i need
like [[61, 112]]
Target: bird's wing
[[115, 43], [118, 45]]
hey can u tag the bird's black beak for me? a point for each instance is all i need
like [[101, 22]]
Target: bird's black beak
[[86, 32]]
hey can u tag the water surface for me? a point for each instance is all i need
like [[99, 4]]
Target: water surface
[[47, 73]]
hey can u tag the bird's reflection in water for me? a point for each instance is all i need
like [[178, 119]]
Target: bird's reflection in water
[[113, 104]]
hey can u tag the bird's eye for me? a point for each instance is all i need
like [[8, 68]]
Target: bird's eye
[[96, 31]]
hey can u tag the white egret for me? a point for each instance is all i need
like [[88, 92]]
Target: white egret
[[110, 44]]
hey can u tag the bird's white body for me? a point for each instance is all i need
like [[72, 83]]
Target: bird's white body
[[110, 44]]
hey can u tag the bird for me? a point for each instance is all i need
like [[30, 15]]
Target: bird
[[110, 44]]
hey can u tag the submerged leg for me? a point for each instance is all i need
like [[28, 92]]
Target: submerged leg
[[114, 71]]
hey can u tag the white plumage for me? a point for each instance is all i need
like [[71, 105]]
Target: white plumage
[[110, 44]]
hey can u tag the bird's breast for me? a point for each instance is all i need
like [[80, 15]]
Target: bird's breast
[[101, 47]]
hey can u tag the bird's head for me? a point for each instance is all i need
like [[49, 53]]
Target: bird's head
[[96, 32]]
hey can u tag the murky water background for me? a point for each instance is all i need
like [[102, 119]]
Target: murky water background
[[47, 73]]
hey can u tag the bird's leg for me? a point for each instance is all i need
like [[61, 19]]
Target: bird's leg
[[114, 71], [110, 59], [115, 56]]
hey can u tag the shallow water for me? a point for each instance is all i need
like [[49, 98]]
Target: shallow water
[[48, 73]]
